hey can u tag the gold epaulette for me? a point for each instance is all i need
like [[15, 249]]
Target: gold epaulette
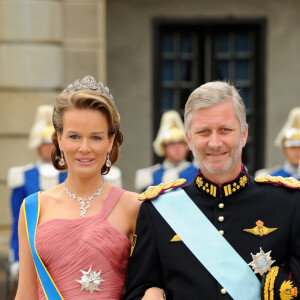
[[154, 191], [289, 182]]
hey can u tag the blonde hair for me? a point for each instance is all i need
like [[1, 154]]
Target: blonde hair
[[86, 99], [213, 93]]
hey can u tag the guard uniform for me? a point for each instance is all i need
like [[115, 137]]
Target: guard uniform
[[164, 172], [171, 130], [24, 181], [287, 170], [114, 177], [252, 216]]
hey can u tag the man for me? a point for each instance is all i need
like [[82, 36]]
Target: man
[[288, 140], [224, 235], [170, 143]]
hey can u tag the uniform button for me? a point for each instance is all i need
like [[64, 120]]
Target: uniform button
[[223, 291], [221, 219], [221, 205], [222, 232]]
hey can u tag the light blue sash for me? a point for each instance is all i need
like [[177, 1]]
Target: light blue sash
[[31, 213], [208, 245]]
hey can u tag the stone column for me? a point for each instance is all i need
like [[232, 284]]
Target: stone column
[[85, 39], [31, 74]]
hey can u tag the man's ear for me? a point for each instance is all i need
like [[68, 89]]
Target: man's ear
[[245, 135], [188, 140]]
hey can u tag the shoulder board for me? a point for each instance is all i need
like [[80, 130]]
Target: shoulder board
[[289, 182], [153, 192], [15, 176]]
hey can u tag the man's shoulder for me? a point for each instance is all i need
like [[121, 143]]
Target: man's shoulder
[[278, 181], [15, 177], [153, 192]]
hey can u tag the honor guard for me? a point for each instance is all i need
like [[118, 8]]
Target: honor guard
[[170, 143], [225, 235], [114, 177], [288, 140], [28, 179]]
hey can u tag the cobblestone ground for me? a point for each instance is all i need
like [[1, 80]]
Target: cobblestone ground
[[4, 242], [2, 281]]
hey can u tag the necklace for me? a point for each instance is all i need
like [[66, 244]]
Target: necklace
[[84, 202]]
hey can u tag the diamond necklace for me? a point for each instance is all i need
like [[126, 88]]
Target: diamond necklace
[[84, 202]]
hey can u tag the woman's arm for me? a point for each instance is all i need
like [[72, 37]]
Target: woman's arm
[[27, 287]]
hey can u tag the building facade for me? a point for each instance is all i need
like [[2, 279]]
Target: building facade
[[151, 54]]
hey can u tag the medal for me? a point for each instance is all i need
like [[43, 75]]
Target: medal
[[261, 262], [90, 280]]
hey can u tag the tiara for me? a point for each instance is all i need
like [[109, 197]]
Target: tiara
[[88, 82]]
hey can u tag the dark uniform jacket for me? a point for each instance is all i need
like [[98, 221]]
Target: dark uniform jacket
[[234, 209]]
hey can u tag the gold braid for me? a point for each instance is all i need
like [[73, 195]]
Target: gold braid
[[274, 273], [266, 287]]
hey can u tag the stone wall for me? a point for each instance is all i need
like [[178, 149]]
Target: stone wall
[[130, 64], [44, 45]]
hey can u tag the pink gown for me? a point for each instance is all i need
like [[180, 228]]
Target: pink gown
[[68, 246]]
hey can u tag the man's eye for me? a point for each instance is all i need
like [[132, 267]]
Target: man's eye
[[226, 130], [74, 136]]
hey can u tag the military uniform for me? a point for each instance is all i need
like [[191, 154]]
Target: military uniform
[[171, 131], [251, 216], [24, 181], [287, 170], [164, 172]]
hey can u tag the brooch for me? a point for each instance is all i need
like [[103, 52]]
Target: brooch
[[90, 280], [260, 229], [261, 262]]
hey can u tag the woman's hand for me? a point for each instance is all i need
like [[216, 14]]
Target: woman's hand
[[154, 293]]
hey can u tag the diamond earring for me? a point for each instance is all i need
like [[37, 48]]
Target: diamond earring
[[62, 160], [108, 162]]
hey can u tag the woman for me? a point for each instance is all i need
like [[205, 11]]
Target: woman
[[84, 225]]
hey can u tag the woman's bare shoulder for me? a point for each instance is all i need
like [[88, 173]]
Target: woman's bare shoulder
[[131, 202], [52, 194]]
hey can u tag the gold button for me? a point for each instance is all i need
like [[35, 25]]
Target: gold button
[[221, 205], [223, 291], [222, 232], [221, 219]]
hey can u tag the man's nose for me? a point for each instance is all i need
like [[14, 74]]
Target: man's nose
[[215, 140]]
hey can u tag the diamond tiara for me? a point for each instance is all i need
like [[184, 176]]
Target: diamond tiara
[[88, 82]]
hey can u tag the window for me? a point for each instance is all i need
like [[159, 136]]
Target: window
[[190, 53]]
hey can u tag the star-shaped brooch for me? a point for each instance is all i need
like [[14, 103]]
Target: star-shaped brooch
[[90, 280], [261, 262]]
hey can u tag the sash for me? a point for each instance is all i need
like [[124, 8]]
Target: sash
[[210, 247], [31, 213]]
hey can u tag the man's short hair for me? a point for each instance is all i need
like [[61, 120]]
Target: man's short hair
[[213, 93]]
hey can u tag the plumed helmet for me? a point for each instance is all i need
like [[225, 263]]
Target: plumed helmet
[[171, 130], [42, 128], [289, 135]]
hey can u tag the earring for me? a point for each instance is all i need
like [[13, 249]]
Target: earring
[[108, 162], [62, 160]]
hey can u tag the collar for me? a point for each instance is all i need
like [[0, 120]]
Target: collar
[[225, 190], [168, 165], [289, 168]]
